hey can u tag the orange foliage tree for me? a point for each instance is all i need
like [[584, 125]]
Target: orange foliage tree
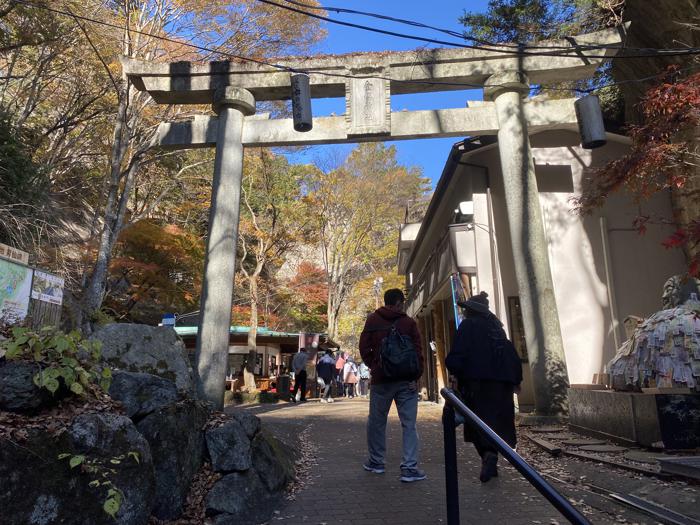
[[308, 298], [156, 269]]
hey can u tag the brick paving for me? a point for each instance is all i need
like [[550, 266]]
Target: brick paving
[[337, 490]]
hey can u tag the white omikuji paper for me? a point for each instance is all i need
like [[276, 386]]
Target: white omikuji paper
[[665, 347]]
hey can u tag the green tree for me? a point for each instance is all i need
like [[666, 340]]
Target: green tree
[[245, 28], [89, 130], [527, 21], [52, 98], [358, 209], [23, 187], [273, 220]]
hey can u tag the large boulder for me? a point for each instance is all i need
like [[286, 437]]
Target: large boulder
[[239, 498], [18, 393], [175, 434], [229, 447], [142, 393], [151, 349], [273, 461], [249, 422], [39, 489]]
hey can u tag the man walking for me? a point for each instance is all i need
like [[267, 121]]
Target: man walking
[[299, 367], [390, 344], [325, 368]]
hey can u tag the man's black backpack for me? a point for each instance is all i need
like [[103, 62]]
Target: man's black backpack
[[397, 356]]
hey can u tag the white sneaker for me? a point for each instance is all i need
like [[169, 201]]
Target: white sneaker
[[324, 400]]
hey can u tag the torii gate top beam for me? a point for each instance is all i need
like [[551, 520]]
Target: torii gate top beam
[[411, 71]]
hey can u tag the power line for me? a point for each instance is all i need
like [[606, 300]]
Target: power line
[[465, 36], [449, 32], [280, 67], [575, 48]]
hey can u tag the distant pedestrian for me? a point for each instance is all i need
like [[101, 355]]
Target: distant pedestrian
[[339, 368], [299, 367], [390, 344], [488, 371], [325, 368], [350, 377], [364, 379]]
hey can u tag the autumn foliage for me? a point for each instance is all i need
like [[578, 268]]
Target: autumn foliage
[[661, 157], [309, 297], [156, 269]]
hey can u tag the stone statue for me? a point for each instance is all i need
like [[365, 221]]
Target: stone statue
[[663, 350], [677, 290]]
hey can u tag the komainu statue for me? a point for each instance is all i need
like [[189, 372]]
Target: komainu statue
[[664, 350]]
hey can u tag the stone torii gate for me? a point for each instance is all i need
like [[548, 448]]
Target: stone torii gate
[[367, 81]]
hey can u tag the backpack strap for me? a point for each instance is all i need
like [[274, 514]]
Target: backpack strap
[[382, 329]]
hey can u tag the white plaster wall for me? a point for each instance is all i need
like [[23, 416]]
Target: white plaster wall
[[639, 264], [488, 275], [581, 294]]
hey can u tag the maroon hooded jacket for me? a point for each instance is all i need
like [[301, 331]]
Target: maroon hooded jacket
[[371, 339]]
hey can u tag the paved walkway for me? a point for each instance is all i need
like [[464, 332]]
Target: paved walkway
[[337, 490]]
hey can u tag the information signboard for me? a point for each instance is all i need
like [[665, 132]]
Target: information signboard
[[47, 288], [15, 290], [8, 252]]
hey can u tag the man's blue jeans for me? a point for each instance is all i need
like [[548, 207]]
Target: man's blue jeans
[[380, 401]]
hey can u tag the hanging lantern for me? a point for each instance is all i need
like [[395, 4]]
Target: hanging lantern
[[301, 102], [590, 122]]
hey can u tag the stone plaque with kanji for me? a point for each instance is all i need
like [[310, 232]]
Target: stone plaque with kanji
[[368, 106]]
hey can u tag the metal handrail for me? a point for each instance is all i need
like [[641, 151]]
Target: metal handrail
[[451, 476]]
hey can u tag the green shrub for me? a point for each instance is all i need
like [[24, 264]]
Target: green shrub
[[229, 398], [62, 358]]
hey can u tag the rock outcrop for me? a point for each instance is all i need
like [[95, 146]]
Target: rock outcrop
[[229, 448], [141, 394], [176, 437], [273, 461], [38, 488], [154, 350], [18, 393], [238, 498], [62, 470], [258, 467]]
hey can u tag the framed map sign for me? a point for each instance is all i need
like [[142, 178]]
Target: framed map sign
[[47, 288], [15, 290]]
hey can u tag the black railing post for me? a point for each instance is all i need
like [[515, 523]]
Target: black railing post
[[451, 474], [558, 501]]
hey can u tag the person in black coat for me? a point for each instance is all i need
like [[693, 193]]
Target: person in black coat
[[488, 371]]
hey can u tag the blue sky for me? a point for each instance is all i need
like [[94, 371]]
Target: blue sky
[[430, 154]]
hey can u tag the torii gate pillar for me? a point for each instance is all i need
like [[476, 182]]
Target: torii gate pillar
[[232, 104], [530, 252]]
